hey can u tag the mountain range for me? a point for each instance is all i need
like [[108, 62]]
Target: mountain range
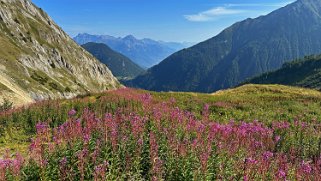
[[121, 66], [241, 51], [38, 60], [145, 52], [303, 73]]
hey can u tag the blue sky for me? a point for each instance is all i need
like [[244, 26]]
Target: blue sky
[[168, 20]]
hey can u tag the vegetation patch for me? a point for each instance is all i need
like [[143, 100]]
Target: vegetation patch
[[6, 105], [39, 78], [139, 135]]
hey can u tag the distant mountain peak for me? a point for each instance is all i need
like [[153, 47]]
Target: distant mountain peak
[[83, 34], [144, 52], [130, 37]]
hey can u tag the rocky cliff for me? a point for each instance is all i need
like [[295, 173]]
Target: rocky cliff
[[38, 60]]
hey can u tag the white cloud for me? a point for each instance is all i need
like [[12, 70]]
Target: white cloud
[[281, 4], [213, 14], [230, 9]]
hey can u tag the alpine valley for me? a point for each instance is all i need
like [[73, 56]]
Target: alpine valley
[[121, 66], [243, 105], [145, 52], [241, 51]]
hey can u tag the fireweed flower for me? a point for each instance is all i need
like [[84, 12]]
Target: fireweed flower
[[100, 171], [306, 167], [72, 112], [42, 128], [206, 112], [63, 161], [140, 141], [267, 155], [86, 138], [246, 178], [174, 133], [250, 160], [277, 138], [17, 164], [281, 174]]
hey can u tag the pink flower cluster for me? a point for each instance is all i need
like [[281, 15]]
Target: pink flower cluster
[[173, 143]]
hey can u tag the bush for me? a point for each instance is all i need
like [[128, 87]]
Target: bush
[[6, 105]]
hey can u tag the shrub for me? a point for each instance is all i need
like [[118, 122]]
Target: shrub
[[6, 105]]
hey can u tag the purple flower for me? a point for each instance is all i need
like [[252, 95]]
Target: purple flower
[[281, 174], [245, 178], [250, 160], [267, 155], [100, 171], [140, 141], [306, 168], [63, 162], [5, 163], [72, 112], [86, 138], [41, 127], [16, 164], [44, 162], [172, 100]]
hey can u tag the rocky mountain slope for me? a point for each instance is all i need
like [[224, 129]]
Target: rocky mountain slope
[[121, 66], [243, 50], [303, 73], [144, 52], [39, 61]]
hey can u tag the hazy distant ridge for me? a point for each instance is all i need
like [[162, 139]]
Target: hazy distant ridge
[[144, 52]]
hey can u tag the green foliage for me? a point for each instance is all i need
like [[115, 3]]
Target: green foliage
[[41, 79], [6, 105], [303, 73], [140, 135], [266, 103], [67, 89], [19, 125], [56, 87]]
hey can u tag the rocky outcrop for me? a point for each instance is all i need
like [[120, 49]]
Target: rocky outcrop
[[41, 59]]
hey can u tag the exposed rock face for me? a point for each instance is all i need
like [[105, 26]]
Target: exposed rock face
[[41, 60]]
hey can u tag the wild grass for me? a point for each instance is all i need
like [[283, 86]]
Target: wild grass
[[253, 132]]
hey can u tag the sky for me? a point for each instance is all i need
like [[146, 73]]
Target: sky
[[167, 20]]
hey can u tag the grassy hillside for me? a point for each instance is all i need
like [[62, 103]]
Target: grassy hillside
[[303, 73], [164, 135]]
